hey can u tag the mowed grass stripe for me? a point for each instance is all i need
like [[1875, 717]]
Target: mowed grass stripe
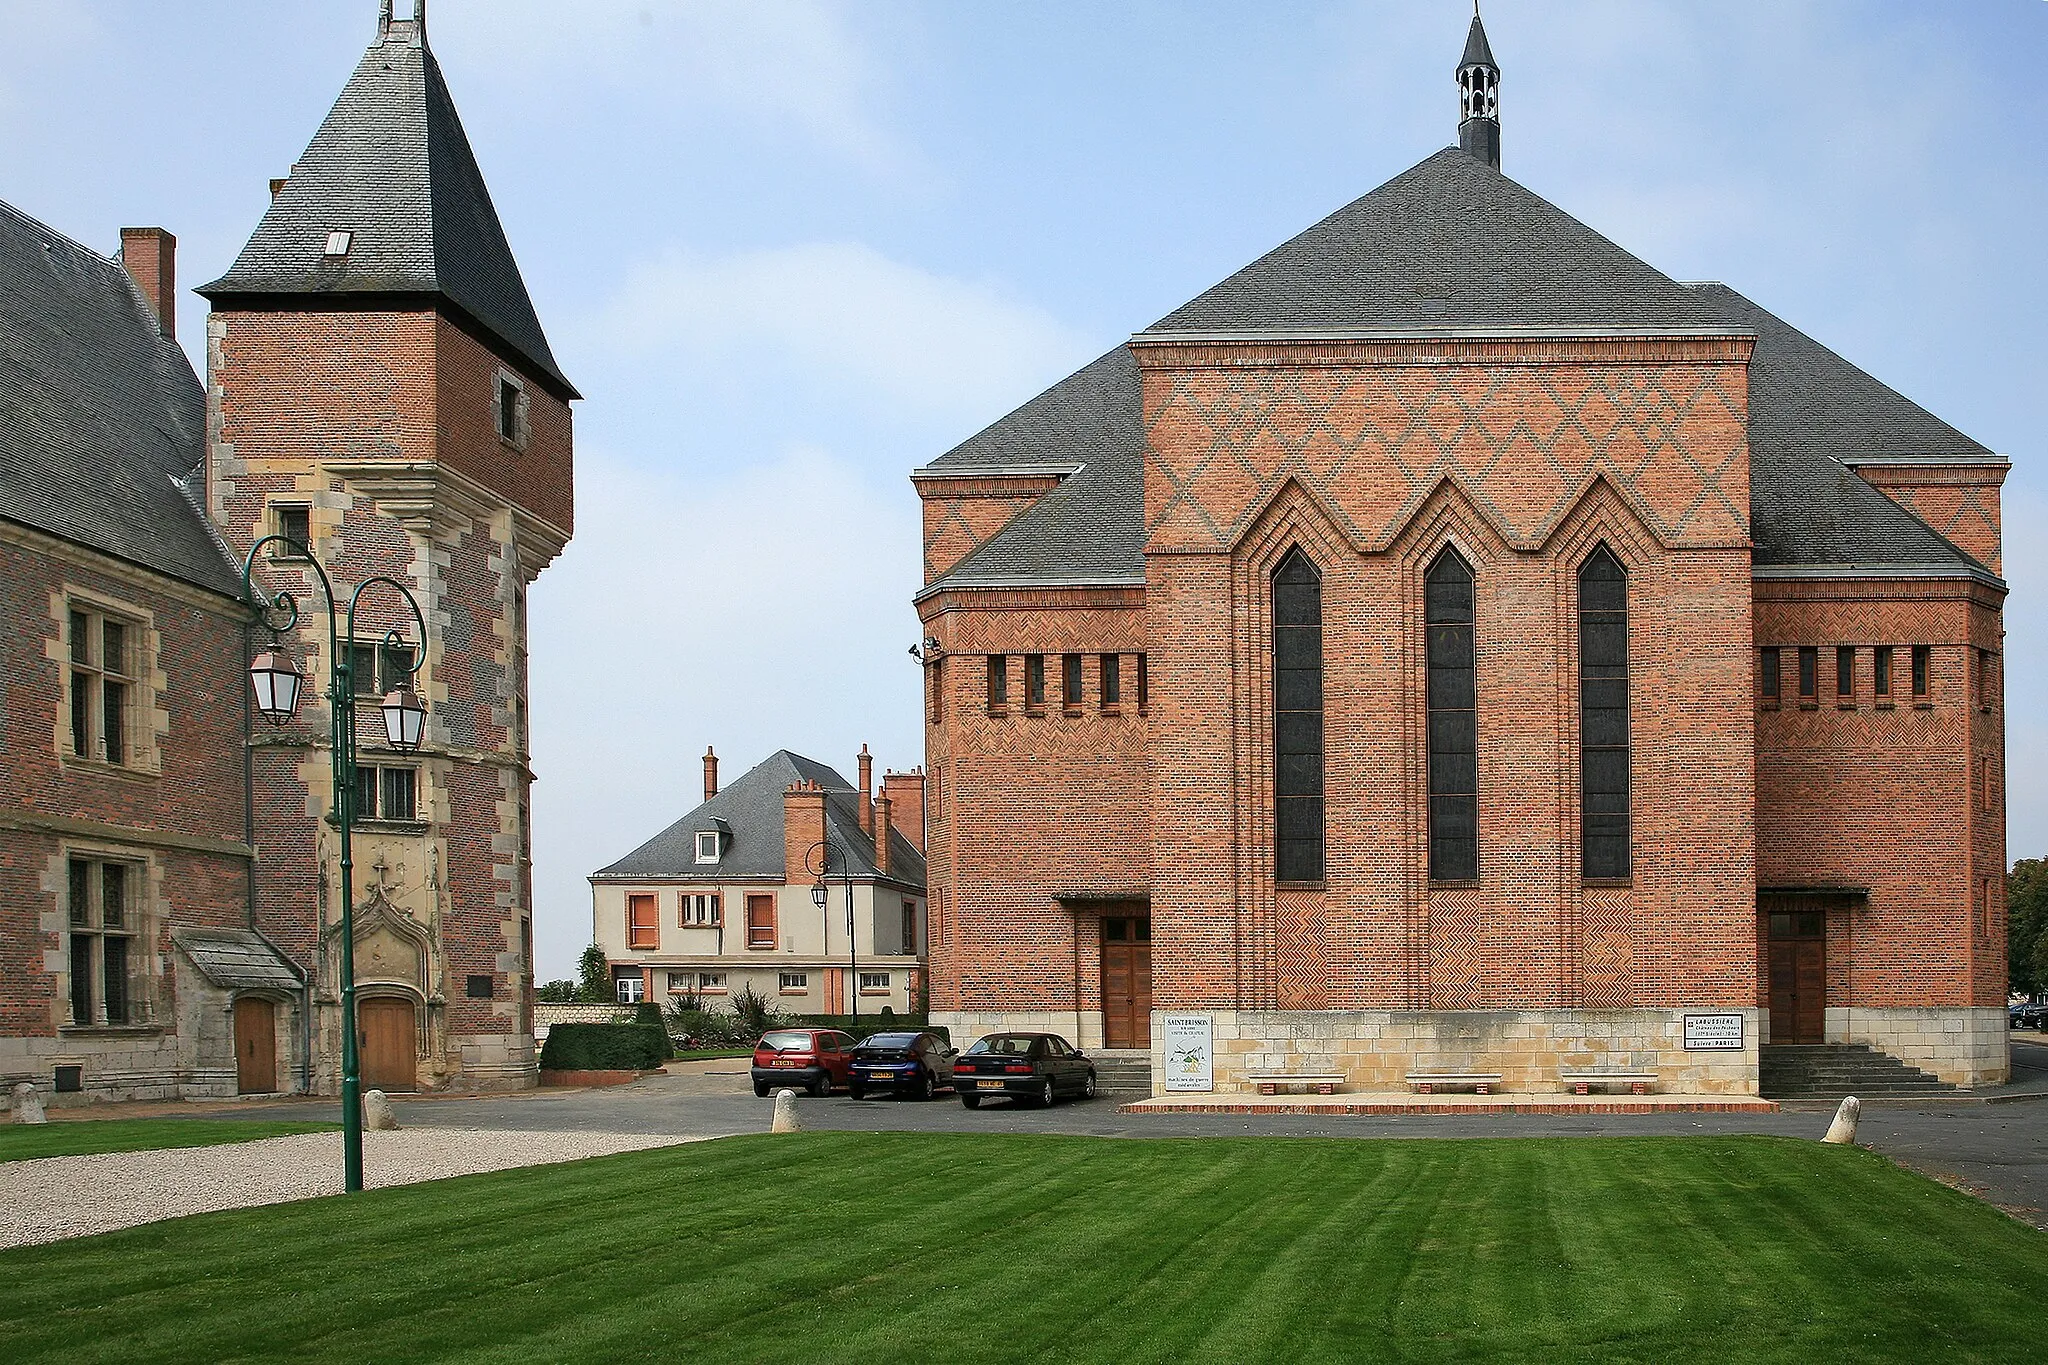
[[827, 1246]]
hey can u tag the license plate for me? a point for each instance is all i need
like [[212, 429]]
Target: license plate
[[780, 1062], [990, 1085]]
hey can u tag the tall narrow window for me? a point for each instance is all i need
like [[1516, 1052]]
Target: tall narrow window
[[1845, 670], [642, 930], [760, 921], [1920, 653], [1144, 684], [1453, 721], [1034, 680], [998, 681], [102, 924], [1603, 717], [1070, 681], [1297, 720], [101, 674], [1809, 671], [1881, 670], [1112, 679], [1768, 674]]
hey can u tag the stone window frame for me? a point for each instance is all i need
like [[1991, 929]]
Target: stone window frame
[[141, 932], [146, 725], [381, 789], [516, 434]]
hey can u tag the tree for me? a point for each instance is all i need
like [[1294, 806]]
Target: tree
[[559, 992], [594, 978], [2026, 935]]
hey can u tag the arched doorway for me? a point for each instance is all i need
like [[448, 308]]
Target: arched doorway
[[386, 1029]]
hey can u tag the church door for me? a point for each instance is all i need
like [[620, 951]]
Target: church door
[[1799, 977], [1126, 982], [255, 1046], [384, 1033]]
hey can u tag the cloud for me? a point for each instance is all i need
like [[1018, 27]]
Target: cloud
[[839, 315]]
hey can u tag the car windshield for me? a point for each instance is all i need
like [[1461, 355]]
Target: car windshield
[[1008, 1045], [891, 1040], [785, 1041]]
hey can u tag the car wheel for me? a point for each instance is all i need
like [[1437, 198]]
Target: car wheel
[[761, 1089], [926, 1086], [857, 1092], [970, 1101], [1046, 1095], [821, 1087], [1088, 1086]]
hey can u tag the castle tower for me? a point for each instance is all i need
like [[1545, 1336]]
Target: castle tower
[[1479, 97], [380, 388]]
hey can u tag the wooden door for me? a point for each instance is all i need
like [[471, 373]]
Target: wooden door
[[255, 1046], [1799, 990], [1126, 983], [384, 1032]]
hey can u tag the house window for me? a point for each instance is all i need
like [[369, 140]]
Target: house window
[[509, 412], [1070, 681], [1034, 680], [760, 921], [1768, 674], [643, 930], [1453, 721], [338, 243], [293, 521], [707, 845], [1881, 670], [632, 989], [1112, 679], [1603, 717], [696, 909], [998, 681], [1297, 720], [682, 983], [1809, 672], [102, 684], [711, 983], [1845, 670], [386, 793], [910, 928], [1920, 653], [1144, 685], [105, 915], [375, 669], [874, 983], [794, 983]]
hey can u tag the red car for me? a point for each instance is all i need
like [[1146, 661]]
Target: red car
[[813, 1059]]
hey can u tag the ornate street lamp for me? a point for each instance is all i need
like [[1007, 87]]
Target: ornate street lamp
[[279, 685], [819, 862]]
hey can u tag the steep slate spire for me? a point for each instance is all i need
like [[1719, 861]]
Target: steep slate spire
[[387, 204], [1479, 97]]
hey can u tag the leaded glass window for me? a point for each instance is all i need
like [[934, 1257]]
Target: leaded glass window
[[1453, 720], [1297, 720], [1603, 717]]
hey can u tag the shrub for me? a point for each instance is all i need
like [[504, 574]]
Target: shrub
[[562, 992], [756, 1012], [604, 1047]]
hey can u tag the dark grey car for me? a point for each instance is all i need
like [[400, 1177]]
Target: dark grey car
[[1030, 1068]]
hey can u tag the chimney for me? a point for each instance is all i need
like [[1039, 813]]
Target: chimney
[[882, 834], [151, 256], [710, 772], [867, 791], [803, 829], [905, 792]]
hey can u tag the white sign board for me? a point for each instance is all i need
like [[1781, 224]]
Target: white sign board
[[1190, 1051], [1713, 1033]]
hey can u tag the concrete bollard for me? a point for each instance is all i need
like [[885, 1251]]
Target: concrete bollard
[[1843, 1129], [28, 1106], [786, 1120], [377, 1114]]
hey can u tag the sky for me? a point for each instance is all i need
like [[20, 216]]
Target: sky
[[791, 251]]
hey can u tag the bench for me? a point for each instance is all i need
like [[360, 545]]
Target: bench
[[1269, 1082], [1428, 1082], [1639, 1082]]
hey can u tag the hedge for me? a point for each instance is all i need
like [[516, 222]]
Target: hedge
[[604, 1047]]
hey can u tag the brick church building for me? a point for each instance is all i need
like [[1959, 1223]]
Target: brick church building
[[378, 388], [1449, 644]]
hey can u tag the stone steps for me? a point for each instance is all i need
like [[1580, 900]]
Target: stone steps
[[1831, 1070]]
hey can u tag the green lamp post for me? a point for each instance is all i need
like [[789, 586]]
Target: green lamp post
[[279, 685]]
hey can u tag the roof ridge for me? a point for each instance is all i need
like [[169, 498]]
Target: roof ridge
[[63, 237]]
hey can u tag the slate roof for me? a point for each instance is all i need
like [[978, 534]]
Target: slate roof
[[1478, 52], [101, 416], [752, 807], [392, 165], [237, 959], [1452, 243]]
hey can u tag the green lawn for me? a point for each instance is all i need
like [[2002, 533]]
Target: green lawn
[[903, 1247], [19, 1142]]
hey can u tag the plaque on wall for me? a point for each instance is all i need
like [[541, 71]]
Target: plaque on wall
[[1713, 1033], [1190, 1051]]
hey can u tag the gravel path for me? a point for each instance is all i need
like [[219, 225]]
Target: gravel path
[[70, 1196]]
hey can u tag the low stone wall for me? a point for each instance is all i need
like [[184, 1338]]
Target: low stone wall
[[1960, 1044], [1375, 1049], [547, 1014], [966, 1025], [117, 1064], [591, 1077]]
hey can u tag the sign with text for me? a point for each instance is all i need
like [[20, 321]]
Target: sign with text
[[1190, 1051], [1713, 1033]]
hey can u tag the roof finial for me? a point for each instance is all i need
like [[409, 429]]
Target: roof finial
[[1479, 96], [412, 31]]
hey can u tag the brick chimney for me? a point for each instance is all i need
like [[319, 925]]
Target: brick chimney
[[151, 256], [710, 772], [867, 791], [882, 834], [803, 828], [905, 792]]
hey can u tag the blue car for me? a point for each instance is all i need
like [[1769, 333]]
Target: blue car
[[915, 1064]]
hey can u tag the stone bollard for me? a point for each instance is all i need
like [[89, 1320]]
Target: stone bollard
[[28, 1107], [377, 1115], [786, 1120], [1843, 1129]]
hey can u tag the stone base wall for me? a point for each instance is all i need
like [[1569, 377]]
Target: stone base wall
[[142, 1064], [967, 1025], [497, 1062], [1960, 1044], [1376, 1049]]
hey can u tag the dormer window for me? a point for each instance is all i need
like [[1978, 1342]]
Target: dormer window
[[707, 845], [338, 243]]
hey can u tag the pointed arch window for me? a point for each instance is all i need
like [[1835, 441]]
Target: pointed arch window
[[1603, 717], [1453, 720], [1297, 720]]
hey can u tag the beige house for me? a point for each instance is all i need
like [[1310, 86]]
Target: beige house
[[726, 897]]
